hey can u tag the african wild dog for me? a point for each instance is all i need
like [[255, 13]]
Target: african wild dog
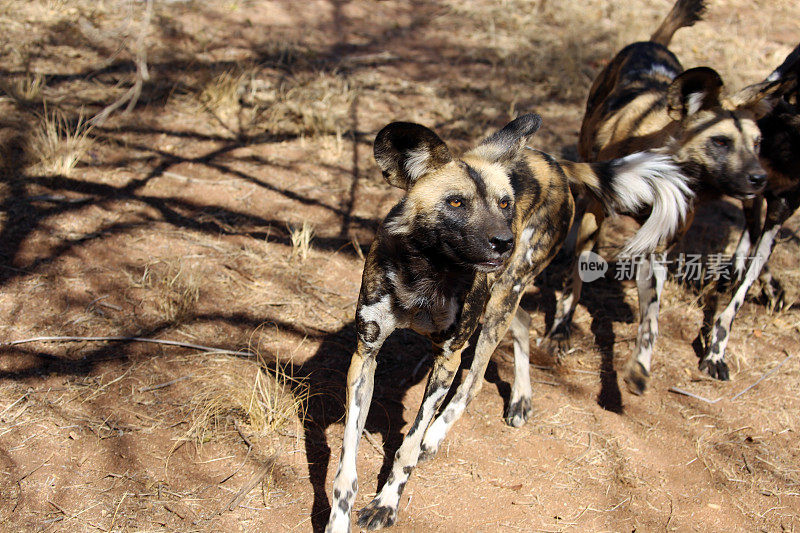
[[467, 238], [780, 156], [644, 100]]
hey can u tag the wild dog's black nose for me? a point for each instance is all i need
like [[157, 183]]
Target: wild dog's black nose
[[757, 181], [501, 243]]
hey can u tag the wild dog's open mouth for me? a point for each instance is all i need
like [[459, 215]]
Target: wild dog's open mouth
[[745, 196], [491, 264]]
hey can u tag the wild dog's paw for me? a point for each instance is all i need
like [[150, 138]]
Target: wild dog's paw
[[427, 453], [774, 295], [557, 345], [518, 412], [636, 377], [376, 516], [715, 369]]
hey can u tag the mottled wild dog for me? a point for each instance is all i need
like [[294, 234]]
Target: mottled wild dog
[[466, 239], [644, 100], [780, 156]]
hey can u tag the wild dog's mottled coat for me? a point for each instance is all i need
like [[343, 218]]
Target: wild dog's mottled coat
[[644, 100], [780, 156], [464, 242]]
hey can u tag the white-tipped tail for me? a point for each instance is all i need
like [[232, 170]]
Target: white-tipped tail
[[650, 179]]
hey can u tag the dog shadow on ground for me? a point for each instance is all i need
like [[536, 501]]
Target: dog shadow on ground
[[404, 360]]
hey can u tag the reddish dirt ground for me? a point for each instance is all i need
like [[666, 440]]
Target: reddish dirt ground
[[176, 225]]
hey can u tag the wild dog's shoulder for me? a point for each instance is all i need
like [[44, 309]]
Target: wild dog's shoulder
[[544, 203]]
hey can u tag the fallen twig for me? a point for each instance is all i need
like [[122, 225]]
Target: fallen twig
[[692, 395], [130, 339], [257, 478], [15, 403], [35, 469], [371, 439], [241, 433], [765, 376], [413, 373]]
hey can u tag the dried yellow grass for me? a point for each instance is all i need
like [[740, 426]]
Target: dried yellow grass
[[24, 91], [264, 397], [301, 240], [308, 105], [221, 94], [57, 143], [177, 290]]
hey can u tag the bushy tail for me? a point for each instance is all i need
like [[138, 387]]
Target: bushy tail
[[683, 14], [632, 184], [790, 66]]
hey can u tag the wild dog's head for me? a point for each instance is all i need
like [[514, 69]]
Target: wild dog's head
[[719, 140], [455, 210]]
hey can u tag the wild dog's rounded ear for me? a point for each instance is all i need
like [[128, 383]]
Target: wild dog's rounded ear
[[695, 89], [507, 144], [760, 98], [406, 151]]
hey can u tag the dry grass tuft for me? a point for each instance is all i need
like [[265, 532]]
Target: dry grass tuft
[[264, 397], [178, 290], [301, 240], [24, 91], [221, 95], [57, 143]]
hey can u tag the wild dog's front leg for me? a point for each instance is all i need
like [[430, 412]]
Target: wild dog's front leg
[[382, 511], [714, 359], [650, 278], [500, 310], [519, 405], [752, 227], [360, 380]]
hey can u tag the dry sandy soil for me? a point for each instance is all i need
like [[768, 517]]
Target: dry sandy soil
[[175, 221]]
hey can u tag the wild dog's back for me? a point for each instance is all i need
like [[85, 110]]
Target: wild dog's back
[[625, 111]]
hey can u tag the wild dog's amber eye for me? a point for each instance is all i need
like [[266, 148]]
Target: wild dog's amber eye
[[722, 142], [455, 202], [503, 204], [757, 144]]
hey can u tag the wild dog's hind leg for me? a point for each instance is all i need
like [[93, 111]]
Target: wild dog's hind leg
[[556, 342], [770, 287], [713, 361], [382, 511], [519, 405], [650, 277]]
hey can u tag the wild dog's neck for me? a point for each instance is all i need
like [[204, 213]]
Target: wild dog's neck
[[702, 182], [422, 278]]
